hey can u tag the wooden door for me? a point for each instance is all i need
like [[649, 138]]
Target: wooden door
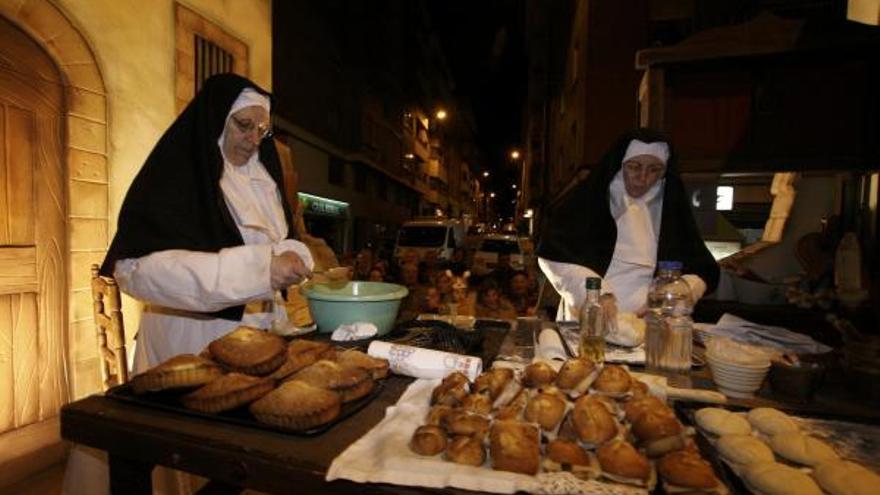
[[33, 284]]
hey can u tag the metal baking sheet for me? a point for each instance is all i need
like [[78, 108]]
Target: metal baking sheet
[[853, 439], [169, 401]]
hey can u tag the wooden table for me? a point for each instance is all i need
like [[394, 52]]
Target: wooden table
[[137, 438]]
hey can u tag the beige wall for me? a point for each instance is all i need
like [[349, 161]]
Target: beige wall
[[134, 44]]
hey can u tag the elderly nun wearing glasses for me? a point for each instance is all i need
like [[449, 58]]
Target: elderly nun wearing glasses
[[629, 213], [204, 240], [205, 235]]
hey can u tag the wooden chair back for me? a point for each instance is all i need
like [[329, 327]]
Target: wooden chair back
[[107, 309]]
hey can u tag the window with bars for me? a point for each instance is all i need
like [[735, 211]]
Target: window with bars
[[209, 59], [203, 49]]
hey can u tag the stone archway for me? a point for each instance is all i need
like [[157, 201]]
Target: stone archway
[[86, 170], [84, 198]]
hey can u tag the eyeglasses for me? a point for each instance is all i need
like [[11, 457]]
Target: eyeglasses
[[634, 167], [247, 126]]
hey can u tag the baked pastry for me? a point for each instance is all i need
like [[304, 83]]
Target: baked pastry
[[297, 405], [636, 407], [592, 422], [771, 421], [428, 440], [515, 446], [301, 353], [743, 449], [719, 422], [840, 477], [437, 415], [566, 455], [377, 367], [686, 471], [515, 408], [576, 375], [466, 450], [493, 382], [297, 308], [546, 408], [613, 380], [802, 449], [350, 383], [639, 389], [227, 392], [773, 478], [451, 391], [181, 371], [249, 351], [620, 461], [463, 423], [538, 374], [658, 433], [477, 404]]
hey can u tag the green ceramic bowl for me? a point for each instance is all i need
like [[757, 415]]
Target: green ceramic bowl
[[336, 304]]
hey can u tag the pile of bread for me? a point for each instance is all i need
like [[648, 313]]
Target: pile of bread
[[751, 444], [596, 423], [296, 386]]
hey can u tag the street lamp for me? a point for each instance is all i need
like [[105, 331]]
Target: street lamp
[[514, 154], [513, 186], [440, 114], [486, 173], [492, 195]]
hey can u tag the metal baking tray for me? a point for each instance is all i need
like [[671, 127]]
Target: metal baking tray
[[169, 401], [855, 439]]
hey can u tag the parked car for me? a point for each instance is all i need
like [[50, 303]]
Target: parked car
[[520, 249], [438, 236]]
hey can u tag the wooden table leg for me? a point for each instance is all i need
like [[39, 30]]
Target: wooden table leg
[[218, 488], [130, 477]]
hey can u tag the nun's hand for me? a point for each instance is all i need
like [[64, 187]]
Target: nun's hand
[[609, 305], [287, 269]]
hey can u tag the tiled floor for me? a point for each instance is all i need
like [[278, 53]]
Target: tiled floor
[[46, 482]]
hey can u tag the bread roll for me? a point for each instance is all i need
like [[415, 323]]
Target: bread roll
[[743, 449], [538, 374], [722, 422], [623, 462], [839, 477], [428, 440], [547, 409], [592, 421], [466, 450], [771, 421], [574, 372], [515, 446], [613, 380], [687, 469], [802, 449], [566, 455], [658, 433], [778, 479]]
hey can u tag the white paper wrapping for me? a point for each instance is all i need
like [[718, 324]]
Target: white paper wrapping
[[550, 345], [424, 363], [383, 456]]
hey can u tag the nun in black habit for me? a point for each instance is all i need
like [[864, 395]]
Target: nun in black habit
[[204, 236], [630, 213]]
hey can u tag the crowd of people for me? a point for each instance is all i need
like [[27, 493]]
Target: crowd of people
[[448, 287]]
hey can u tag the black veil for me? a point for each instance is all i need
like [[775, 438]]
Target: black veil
[[581, 230], [175, 201]]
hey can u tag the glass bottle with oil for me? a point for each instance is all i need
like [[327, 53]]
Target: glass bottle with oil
[[592, 323]]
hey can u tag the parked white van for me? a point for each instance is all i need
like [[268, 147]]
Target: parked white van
[[491, 245], [440, 236]]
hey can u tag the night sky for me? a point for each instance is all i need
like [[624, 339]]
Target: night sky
[[484, 46]]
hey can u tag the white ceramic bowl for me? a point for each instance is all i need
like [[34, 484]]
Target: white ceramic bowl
[[743, 372], [727, 362], [737, 382]]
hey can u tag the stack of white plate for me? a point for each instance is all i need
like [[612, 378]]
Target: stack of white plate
[[737, 379]]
